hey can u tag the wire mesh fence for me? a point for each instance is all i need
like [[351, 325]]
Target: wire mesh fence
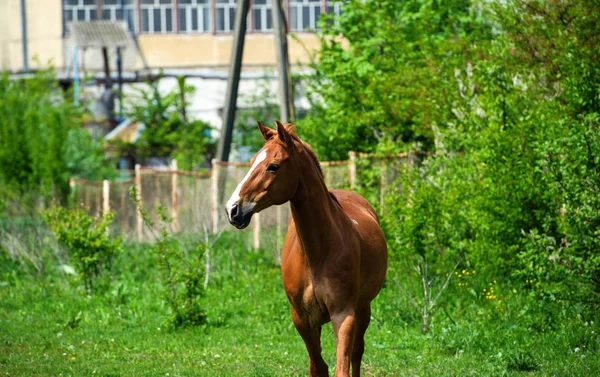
[[194, 203]]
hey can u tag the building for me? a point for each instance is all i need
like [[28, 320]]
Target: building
[[170, 33]]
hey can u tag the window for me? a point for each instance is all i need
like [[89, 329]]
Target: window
[[304, 14], [197, 16], [156, 16], [85, 10], [262, 17], [194, 16], [335, 8], [225, 15]]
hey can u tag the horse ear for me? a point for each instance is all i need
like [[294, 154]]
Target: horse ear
[[283, 133], [266, 132]]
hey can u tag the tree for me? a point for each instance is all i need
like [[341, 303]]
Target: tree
[[385, 72]]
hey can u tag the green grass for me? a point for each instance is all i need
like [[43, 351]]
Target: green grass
[[49, 326]]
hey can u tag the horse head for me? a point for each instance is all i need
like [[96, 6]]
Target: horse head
[[272, 178]]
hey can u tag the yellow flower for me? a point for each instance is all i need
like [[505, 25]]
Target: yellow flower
[[514, 291]]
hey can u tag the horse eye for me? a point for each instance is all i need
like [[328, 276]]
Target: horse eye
[[273, 167]]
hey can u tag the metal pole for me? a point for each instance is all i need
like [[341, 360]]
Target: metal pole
[[234, 80], [75, 74], [120, 80], [286, 101], [24, 35]]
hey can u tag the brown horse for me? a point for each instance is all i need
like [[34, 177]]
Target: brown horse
[[334, 257]]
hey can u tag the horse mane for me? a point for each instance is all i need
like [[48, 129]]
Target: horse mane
[[291, 129]]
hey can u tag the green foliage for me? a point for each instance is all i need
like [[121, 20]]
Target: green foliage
[[265, 108], [169, 132], [182, 270], [41, 142], [384, 73], [249, 331], [86, 239]]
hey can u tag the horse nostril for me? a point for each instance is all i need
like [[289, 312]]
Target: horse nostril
[[235, 209]]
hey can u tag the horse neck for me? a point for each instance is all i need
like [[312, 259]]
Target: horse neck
[[314, 212]]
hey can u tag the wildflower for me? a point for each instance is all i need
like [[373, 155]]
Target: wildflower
[[217, 356], [576, 349], [514, 291], [72, 357]]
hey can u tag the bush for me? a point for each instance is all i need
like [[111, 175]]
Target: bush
[[41, 140], [87, 240], [169, 131], [182, 270]]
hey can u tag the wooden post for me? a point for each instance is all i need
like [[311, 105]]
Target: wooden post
[[98, 202], [256, 232], [352, 169], [86, 197], [382, 183], [286, 102], [72, 191], [105, 197], [233, 80], [138, 187], [123, 211], [174, 195], [214, 185]]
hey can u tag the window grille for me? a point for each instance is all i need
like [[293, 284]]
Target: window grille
[[262, 16], [156, 16], [225, 15], [304, 14], [197, 16], [194, 16], [113, 10]]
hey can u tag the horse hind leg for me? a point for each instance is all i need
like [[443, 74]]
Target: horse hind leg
[[362, 322], [312, 340]]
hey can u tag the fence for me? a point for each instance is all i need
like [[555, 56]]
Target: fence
[[193, 203]]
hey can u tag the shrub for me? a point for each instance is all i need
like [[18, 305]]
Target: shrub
[[182, 270], [87, 240]]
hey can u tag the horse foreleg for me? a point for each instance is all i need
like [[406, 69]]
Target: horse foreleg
[[344, 326], [362, 322], [312, 340]]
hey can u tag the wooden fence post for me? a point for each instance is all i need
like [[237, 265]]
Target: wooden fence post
[[352, 169], [174, 195], [382, 183], [138, 187], [105, 197], [214, 185], [123, 211], [72, 191], [256, 232]]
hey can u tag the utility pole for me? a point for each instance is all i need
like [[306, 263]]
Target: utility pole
[[233, 83], [107, 79], [24, 35], [286, 95]]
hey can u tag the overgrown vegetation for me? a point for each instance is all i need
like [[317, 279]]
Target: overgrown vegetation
[[42, 142], [87, 239], [494, 269], [182, 270], [168, 130], [505, 95]]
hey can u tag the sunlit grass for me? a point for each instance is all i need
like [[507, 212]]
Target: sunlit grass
[[51, 326]]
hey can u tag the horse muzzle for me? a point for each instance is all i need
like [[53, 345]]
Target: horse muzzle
[[240, 216]]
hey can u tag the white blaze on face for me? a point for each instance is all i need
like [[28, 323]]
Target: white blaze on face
[[235, 197]]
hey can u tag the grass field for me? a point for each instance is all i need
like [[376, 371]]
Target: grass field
[[49, 326]]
